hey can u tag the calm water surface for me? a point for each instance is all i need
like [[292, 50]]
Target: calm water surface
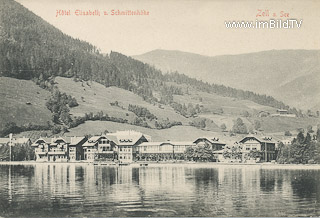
[[59, 190]]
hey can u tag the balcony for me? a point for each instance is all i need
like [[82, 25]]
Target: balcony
[[57, 151], [105, 152]]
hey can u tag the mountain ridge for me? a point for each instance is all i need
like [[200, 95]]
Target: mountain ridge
[[273, 67]]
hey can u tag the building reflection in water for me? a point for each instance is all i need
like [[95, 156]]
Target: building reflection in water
[[164, 190]]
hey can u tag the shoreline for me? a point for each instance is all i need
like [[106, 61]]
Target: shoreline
[[157, 164]]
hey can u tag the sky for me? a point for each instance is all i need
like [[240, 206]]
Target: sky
[[196, 26]]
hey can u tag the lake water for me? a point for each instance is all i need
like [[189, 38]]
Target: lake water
[[61, 190]]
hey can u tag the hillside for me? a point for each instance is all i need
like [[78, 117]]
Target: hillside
[[30, 48], [22, 102], [276, 73], [94, 97], [178, 133], [302, 91], [81, 87]]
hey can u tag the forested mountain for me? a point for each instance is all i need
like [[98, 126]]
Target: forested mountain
[[289, 75], [30, 48]]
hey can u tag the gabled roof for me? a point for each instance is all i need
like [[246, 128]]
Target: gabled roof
[[175, 143], [53, 141], [259, 139], [45, 139], [126, 137], [92, 141], [74, 140], [95, 138], [211, 140]]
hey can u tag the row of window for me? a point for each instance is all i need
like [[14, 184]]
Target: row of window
[[163, 148], [125, 149], [124, 157]]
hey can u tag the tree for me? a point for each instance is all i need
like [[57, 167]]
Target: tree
[[10, 127], [233, 153], [300, 137], [309, 129], [201, 152], [245, 113], [255, 154], [283, 153], [287, 133], [239, 127], [223, 127], [303, 149]]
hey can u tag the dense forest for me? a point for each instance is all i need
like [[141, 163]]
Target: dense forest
[[31, 48], [304, 149]]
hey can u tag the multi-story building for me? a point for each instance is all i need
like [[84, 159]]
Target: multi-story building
[[214, 143], [75, 148], [168, 150], [100, 148], [127, 144], [58, 149], [41, 148], [265, 145]]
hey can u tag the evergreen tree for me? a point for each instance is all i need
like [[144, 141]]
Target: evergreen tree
[[239, 127]]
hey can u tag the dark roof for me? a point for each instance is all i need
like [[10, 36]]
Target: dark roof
[[264, 139]]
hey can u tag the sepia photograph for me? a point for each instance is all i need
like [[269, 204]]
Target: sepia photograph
[[149, 108]]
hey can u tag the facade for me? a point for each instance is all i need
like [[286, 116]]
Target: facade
[[99, 148], [159, 151], [75, 148], [41, 148], [127, 144], [58, 149], [265, 145], [214, 143]]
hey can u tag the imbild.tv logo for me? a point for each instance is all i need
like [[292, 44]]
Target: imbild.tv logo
[[259, 24]]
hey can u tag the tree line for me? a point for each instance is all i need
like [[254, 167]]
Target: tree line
[[30, 48], [304, 149]]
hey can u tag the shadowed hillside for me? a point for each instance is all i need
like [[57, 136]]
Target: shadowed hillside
[[289, 75], [79, 86], [22, 102]]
